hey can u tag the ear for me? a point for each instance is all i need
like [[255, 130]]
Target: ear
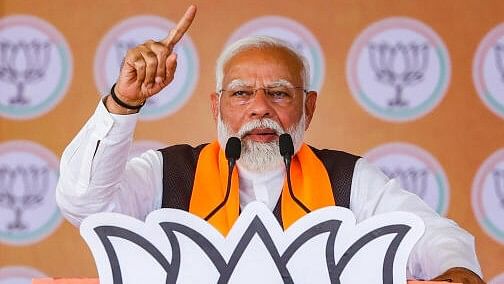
[[310, 104], [214, 105]]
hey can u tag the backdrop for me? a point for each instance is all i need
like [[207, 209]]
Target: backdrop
[[415, 86]]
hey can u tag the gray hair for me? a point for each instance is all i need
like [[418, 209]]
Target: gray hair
[[258, 41]]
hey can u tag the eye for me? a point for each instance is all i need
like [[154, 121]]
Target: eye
[[241, 93], [279, 94]]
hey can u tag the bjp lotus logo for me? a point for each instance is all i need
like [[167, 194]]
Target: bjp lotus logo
[[488, 70], [488, 196], [28, 176], [398, 69], [416, 170], [400, 66], [324, 246], [35, 67]]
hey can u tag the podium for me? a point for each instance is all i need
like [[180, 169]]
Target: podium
[[174, 245], [66, 281], [95, 281]]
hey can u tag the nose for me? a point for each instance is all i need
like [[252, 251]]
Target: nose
[[260, 106]]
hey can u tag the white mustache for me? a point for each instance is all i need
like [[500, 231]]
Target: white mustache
[[260, 123]]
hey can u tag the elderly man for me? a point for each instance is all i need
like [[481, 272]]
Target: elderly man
[[261, 93]]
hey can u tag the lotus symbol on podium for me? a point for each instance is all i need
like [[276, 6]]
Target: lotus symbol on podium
[[325, 246], [22, 188], [399, 66], [23, 63]]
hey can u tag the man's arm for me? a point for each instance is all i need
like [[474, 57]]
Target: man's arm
[[95, 176], [444, 244]]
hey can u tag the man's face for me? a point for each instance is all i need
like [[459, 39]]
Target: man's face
[[256, 69]]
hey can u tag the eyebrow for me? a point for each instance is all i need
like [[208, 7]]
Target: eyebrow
[[239, 83], [281, 83]]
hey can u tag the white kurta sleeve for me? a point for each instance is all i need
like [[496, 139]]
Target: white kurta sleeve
[[96, 176], [444, 244]]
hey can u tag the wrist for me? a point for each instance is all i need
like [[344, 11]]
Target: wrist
[[125, 103], [115, 104], [114, 108]]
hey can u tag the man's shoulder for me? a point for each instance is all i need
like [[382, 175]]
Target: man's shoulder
[[340, 167], [334, 154], [181, 153], [182, 148]]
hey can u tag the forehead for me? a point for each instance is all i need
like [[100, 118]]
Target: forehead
[[265, 64]]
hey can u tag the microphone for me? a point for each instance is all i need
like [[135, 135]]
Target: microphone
[[287, 151], [286, 147], [233, 151]]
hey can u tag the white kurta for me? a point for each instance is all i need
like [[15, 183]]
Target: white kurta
[[96, 176]]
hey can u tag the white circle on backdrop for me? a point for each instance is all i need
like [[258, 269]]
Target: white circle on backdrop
[[19, 274], [488, 70], [299, 36], [499, 279], [488, 196], [132, 32], [35, 67], [417, 171], [398, 69], [28, 177]]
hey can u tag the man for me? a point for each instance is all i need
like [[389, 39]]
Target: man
[[261, 93]]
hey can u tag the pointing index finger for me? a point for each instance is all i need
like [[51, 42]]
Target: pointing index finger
[[181, 27]]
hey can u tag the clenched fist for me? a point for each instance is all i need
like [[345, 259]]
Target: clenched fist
[[148, 68]]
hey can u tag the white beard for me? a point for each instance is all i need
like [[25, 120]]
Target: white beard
[[259, 156]]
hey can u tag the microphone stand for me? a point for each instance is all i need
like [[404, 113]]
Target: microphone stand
[[287, 151], [233, 151]]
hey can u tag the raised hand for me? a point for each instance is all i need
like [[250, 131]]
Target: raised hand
[[149, 67]]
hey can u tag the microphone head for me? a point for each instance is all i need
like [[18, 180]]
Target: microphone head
[[286, 145], [233, 148]]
